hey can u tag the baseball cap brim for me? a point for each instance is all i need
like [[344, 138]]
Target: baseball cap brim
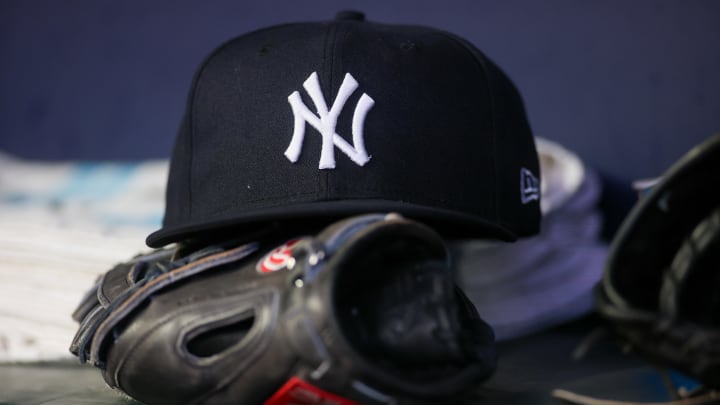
[[447, 222]]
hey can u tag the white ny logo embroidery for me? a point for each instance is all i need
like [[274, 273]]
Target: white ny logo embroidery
[[326, 120]]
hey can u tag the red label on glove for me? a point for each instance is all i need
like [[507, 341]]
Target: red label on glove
[[276, 259], [298, 392]]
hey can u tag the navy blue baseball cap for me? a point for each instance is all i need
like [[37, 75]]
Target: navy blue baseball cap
[[319, 120]]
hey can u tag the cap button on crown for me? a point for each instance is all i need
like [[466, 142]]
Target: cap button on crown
[[350, 15]]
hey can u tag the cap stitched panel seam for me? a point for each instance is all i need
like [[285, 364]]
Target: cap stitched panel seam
[[329, 90], [196, 82], [477, 57]]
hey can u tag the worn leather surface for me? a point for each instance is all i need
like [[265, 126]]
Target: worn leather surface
[[367, 310]]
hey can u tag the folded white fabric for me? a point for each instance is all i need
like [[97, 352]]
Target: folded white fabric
[[547, 279], [61, 225]]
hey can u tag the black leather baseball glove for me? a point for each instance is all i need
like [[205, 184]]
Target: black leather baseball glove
[[365, 312]]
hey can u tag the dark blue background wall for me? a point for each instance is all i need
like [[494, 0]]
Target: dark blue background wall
[[629, 85]]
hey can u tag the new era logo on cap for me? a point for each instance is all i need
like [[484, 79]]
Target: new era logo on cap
[[529, 186], [321, 120]]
